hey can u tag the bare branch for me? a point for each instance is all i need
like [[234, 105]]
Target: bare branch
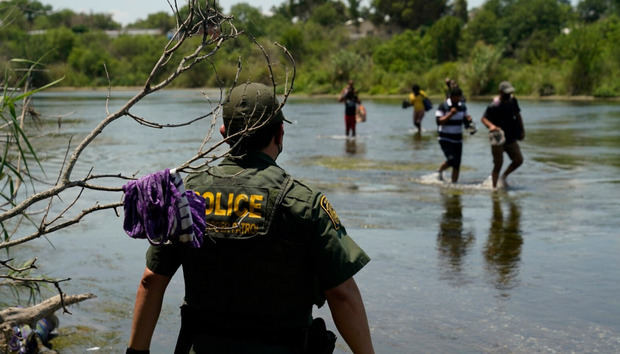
[[13, 316], [107, 98], [45, 230], [29, 266]]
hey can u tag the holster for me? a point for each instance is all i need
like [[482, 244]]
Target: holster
[[320, 340], [186, 333]]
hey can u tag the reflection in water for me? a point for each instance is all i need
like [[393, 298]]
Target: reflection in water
[[420, 141], [453, 243], [352, 146], [503, 249]]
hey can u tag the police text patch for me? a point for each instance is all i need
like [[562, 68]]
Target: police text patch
[[330, 212], [233, 212]]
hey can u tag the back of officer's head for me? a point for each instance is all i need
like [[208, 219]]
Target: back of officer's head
[[251, 117]]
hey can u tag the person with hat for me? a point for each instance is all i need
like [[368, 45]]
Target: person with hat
[[274, 247], [503, 119]]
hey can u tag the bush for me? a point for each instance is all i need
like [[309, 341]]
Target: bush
[[481, 69], [404, 52]]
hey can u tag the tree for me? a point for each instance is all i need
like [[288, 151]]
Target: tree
[[410, 13], [522, 18], [481, 68], [301, 9], [592, 10], [354, 9], [328, 14], [249, 18], [161, 20], [404, 52], [459, 10], [445, 35]]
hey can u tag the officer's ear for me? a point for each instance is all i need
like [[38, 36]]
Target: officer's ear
[[280, 135], [223, 131]]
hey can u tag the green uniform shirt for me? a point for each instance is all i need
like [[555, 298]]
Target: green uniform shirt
[[308, 224]]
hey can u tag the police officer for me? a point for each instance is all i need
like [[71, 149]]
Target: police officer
[[277, 248]]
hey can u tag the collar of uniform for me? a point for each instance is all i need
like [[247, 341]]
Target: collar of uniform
[[251, 159]]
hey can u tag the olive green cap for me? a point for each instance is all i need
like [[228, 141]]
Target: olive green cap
[[251, 105]]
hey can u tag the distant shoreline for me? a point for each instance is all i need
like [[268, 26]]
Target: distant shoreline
[[581, 98]]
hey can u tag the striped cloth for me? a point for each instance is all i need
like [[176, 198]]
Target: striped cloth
[[158, 208], [452, 130]]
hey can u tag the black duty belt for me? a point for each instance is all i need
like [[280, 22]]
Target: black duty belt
[[192, 326]]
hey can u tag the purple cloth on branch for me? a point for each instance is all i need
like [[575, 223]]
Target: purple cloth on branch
[[158, 208]]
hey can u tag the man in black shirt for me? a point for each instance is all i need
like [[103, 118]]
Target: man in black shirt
[[504, 115]]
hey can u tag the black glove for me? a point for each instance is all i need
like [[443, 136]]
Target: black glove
[[135, 351], [406, 104]]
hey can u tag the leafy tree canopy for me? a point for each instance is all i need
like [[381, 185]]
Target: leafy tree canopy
[[409, 13]]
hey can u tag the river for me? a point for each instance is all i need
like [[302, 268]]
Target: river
[[455, 268]]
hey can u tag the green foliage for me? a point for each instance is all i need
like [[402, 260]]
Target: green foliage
[[445, 36], [345, 65], [484, 26], [582, 49], [292, 38], [434, 79], [410, 13], [328, 14], [17, 151], [592, 10], [524, 17], [161, 20], [459, 10], [543, 46], [481, 69], [249, 18], [407, 51]]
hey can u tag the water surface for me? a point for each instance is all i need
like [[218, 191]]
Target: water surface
[[454, 268]]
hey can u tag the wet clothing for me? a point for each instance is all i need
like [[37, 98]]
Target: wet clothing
[[452, 152], [512, 149], [451, 132], [157, 207], [350, 110], [349, 122], [278, 245], [417, 101], [350, 103], [504, 115]]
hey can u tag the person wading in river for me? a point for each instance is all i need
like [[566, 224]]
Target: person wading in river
[[451, 115], [348, 95], [503, 118], [416, 99], [278, 249]]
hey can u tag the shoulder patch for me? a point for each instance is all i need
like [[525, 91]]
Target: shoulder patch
[[326, 205]]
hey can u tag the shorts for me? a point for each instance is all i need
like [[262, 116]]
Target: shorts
[[349, 122], [512, 149], [453, 152]]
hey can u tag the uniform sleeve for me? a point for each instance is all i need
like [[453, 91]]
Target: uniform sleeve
[[337, 256], [164, 259]]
